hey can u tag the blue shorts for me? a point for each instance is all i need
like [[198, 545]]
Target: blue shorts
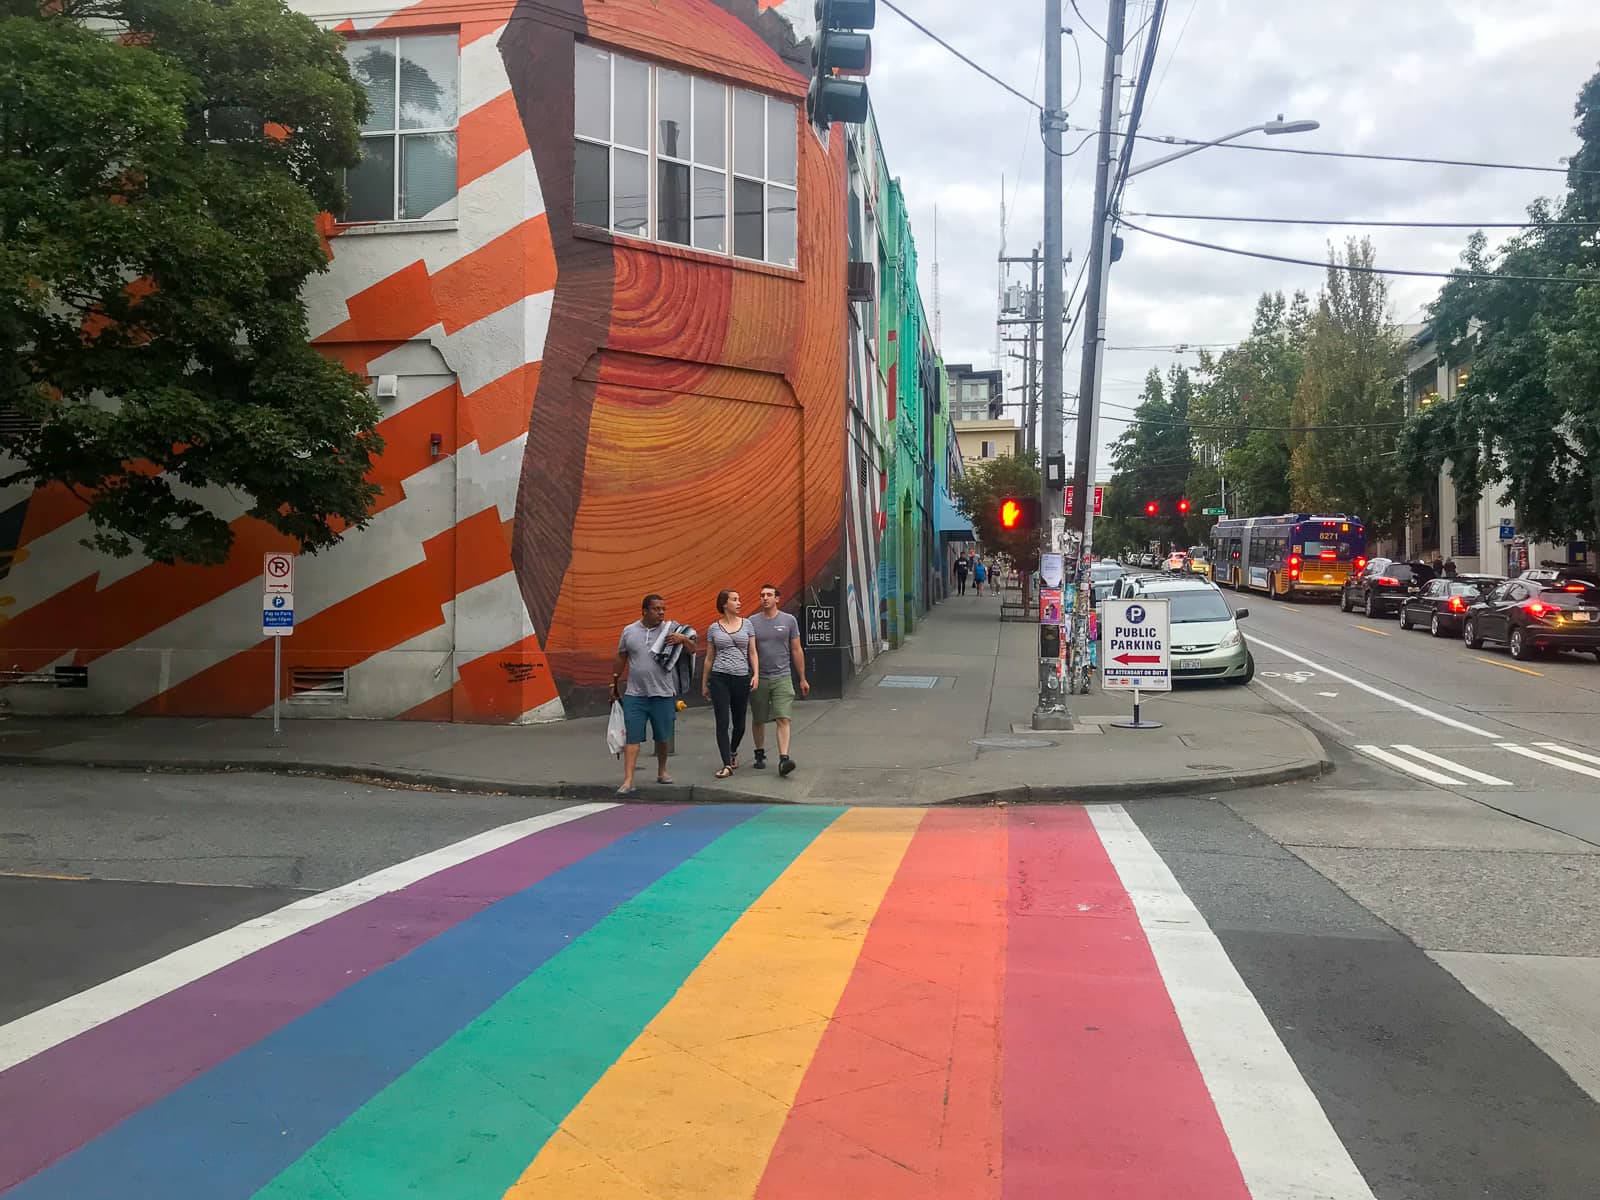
[[660, 711]]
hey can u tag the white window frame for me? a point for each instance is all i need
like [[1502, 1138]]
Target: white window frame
[[394, 135], [654, 156]]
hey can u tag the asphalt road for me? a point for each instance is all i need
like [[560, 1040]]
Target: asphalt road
[[1423, 963], [1522, 737]]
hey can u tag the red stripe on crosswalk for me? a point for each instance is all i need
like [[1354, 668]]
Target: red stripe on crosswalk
[[1102, 1096], [902, 1096]]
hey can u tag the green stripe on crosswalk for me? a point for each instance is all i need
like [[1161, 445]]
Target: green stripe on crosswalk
[[467, 1119]]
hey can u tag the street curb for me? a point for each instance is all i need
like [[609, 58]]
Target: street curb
[[683, 793]]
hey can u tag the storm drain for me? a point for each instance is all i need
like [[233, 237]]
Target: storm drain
[[924, 682]]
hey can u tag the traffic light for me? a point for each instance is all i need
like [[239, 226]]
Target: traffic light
[[838, 47], [1019, 514], [1183, 508], [1151, 508]]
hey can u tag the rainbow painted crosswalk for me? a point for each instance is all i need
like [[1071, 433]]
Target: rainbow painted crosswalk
[[718, 1002]]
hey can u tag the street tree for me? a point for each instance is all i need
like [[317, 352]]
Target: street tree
[[977, 495], [1526, 421], [162, 167], [1152, 461], [1348, 408]]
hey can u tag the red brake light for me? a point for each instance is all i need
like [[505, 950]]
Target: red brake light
[[1294, 572], [1574, 587], [1457, 604], [1384, 579], [1328, 554], [1537, 609], [1361, 564], [1294, 560]]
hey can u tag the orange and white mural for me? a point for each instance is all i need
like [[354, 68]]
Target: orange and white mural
[[574, 416]]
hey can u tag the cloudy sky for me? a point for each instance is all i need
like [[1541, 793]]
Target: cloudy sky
[[1478, 79]]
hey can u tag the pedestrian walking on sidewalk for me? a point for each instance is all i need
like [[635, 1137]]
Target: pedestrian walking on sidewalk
[[731, 667], [656, 656], [778, 649], [980, 572], [961, 575]]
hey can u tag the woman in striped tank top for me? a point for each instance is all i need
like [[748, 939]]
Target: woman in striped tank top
[[731, 664]]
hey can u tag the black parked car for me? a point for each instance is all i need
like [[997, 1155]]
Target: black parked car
[[1382, 586], [1532, 617], [1442, 603]]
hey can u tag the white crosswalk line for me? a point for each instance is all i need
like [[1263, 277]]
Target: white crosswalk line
[[1560, 749], [1411, 768], [1436, 760], [1564, 764]]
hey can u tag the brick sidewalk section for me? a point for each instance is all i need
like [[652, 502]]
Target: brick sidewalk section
[[895, 738]]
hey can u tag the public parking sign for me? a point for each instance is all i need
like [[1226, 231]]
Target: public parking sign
[[277, 614], [1135, 645]]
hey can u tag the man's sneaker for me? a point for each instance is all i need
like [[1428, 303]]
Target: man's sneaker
[[786, 765], [761, 760]]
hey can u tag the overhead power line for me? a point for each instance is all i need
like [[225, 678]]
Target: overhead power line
[[1241, 220], [1085, 20], [981, 70], [1301, 150], [1358, 270]]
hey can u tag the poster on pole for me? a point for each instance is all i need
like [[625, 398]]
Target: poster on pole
[[1051, 569], [1135, 637]]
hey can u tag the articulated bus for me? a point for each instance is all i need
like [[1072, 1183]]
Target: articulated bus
[[1296, 554]]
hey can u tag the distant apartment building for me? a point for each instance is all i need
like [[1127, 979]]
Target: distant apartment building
[[977, 402]]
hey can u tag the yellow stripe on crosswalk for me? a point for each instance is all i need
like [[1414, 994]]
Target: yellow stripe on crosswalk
[[694, 1106]]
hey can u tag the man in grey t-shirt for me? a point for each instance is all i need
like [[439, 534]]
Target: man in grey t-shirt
[[652, 692], [777, 648]]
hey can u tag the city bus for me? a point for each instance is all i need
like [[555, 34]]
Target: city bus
[[1296, 554]]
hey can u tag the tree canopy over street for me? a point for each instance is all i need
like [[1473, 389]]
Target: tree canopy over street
[[159, 192], [977, 495], [1527, 418]]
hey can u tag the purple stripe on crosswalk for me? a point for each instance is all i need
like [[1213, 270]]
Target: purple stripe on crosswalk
[[60, 1099]]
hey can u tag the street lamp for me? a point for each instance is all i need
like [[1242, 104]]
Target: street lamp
[[1275, 127], [1099, 267]]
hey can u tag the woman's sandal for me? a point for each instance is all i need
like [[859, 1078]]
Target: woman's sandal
[[724, 772]]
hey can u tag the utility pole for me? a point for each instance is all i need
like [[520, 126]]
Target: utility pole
[[1051, 712], [1099, 266], [1031, 408]]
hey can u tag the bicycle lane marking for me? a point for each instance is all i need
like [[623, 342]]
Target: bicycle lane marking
[[1399, 701]]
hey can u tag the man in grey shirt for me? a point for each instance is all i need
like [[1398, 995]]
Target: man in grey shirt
[[652, 692], [777, 647]]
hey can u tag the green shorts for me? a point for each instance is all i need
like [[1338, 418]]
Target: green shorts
[[773, 699]]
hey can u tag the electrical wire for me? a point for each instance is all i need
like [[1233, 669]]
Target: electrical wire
[[1082, 18], [1156, 91], [1301, 150], [985, 72], [1370, 224], [1571, 281]]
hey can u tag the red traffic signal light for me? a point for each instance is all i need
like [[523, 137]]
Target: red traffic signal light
[[1019, 514], [1183, 507], [1151, 509]]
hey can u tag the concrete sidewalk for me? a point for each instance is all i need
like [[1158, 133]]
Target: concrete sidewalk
[[911, 731]]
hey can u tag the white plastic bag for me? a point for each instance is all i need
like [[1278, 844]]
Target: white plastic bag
[[616, 729]]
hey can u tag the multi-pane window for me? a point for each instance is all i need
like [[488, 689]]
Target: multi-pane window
[[408, 141], [674, 157]]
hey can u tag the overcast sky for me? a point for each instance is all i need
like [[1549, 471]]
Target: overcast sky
[[1479, 79]]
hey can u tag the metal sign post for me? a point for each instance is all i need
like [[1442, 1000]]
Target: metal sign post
[[1135, 651], [277, 620]]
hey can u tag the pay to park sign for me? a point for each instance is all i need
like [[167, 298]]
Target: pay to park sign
[[1134, 646]]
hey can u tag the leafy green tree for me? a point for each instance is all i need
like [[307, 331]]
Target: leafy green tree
[[977, 495], [1153, 460], [1348, 400], [159, 194], [1527, 420]]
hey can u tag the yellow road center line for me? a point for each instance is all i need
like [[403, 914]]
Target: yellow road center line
[[695, 1105], [43, 875], [1495, 662], [1370, 629]]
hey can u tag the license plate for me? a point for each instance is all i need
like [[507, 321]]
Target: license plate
[[1190, 664], [1582, 616]]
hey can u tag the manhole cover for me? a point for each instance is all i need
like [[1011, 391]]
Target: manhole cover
[[909, 681], [1004, 742]]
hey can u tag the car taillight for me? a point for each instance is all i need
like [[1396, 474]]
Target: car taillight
[[1537, 609], [1294, 572], [1457, 604], [1328, 555], [1361, 564], [1574, 587], [1386, 581], [1294, 560]]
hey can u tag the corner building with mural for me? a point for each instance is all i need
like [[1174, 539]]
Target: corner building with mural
[[595, 266]]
